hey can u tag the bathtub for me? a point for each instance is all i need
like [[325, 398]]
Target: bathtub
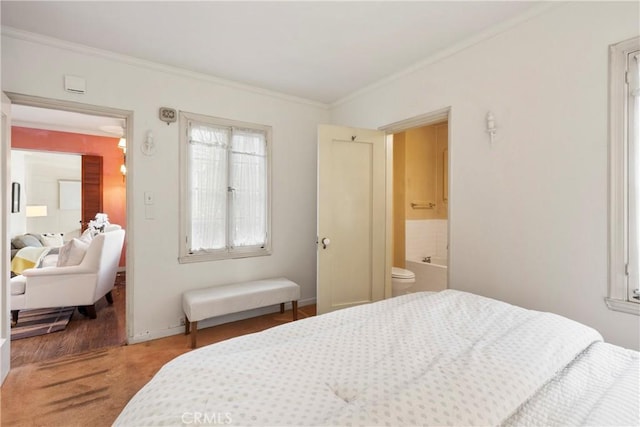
[[429, 276]]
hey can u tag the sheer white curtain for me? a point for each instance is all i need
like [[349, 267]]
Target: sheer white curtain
[[208, 154], [248, 178], [228, 172]]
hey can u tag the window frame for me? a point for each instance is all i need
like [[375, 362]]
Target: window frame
[[185, 255], [619, 170]]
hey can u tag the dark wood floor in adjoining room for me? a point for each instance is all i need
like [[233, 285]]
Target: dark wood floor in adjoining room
[[90, 389], [82, 334]]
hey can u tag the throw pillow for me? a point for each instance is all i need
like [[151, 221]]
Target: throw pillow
[[87, 236], [37, 236], [72, 253], [25, 240], [52, 240]]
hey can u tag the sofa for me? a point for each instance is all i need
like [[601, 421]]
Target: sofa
[[33, 249], [35, 240], [84, 273]]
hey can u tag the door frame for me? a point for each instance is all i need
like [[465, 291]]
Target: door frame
[[5, 265], [97, 110], [425, 119]]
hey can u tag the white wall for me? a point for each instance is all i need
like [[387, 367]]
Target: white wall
[[528, 215], [35, 68], [41, 188]]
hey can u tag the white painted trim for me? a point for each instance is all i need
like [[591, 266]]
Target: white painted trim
[[142, 63], [76, 107], [623, 306], [388, 260], [5, 350], [618, 258], [127, 115], [184, 256], [215, 321], [452, 50], [148, 336], [427, 119], [5, 266]]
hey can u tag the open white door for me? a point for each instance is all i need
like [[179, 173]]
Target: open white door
[[351, 217], [5, 208]]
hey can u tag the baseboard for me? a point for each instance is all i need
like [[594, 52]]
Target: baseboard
[[177, 330], [154, 335]]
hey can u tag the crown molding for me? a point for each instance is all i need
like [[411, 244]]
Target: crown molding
[[143, 63], [450, 51]]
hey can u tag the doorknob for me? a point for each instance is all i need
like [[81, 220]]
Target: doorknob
[[325, 242]]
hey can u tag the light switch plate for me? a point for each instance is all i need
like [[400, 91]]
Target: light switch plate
[[150, 212], [148, 198]]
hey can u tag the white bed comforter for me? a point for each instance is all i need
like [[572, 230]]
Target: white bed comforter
[[447, 358], [601, 387]]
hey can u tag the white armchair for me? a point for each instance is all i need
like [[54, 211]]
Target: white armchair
[[77, 285]]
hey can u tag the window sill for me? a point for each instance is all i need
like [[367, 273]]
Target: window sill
[[187, 259], [624, 306]]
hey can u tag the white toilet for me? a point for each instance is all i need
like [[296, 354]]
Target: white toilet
[[401, 281]]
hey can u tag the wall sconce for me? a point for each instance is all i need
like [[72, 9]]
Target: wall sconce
[[148, 146], [36, 211], [122, 144], [491, 126]]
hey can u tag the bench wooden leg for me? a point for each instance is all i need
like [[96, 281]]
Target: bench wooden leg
[[294, 308], [186, 326], [109, 297], [281, 307], [194, 333]]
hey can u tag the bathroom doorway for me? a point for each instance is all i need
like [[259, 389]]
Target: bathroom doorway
[[420, 208]]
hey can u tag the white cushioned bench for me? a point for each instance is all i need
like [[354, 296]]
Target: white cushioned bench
[[200, 304]]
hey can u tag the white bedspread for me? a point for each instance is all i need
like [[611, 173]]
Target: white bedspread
[[600, 388], [447, 358]]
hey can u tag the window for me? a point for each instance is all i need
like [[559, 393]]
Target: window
[[225, 207], [624, 157]]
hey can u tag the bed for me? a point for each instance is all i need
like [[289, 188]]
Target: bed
[[446, 358]]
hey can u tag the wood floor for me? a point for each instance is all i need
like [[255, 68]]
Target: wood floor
[[81, 334], [92, 388]]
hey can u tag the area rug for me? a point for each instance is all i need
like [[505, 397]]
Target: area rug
[[41, 321]]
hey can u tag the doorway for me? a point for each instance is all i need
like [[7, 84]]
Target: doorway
[[338, 146], [48, 127], [420, 209], [418, 203]]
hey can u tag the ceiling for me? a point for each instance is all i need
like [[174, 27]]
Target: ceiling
[[66, 121], [321, 51]]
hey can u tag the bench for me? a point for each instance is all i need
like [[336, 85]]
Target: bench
[[200, 304]]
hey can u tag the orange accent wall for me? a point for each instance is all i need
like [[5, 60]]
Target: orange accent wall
[[114, 187]]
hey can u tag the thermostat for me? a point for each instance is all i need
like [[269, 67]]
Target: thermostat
[[168, 115]]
